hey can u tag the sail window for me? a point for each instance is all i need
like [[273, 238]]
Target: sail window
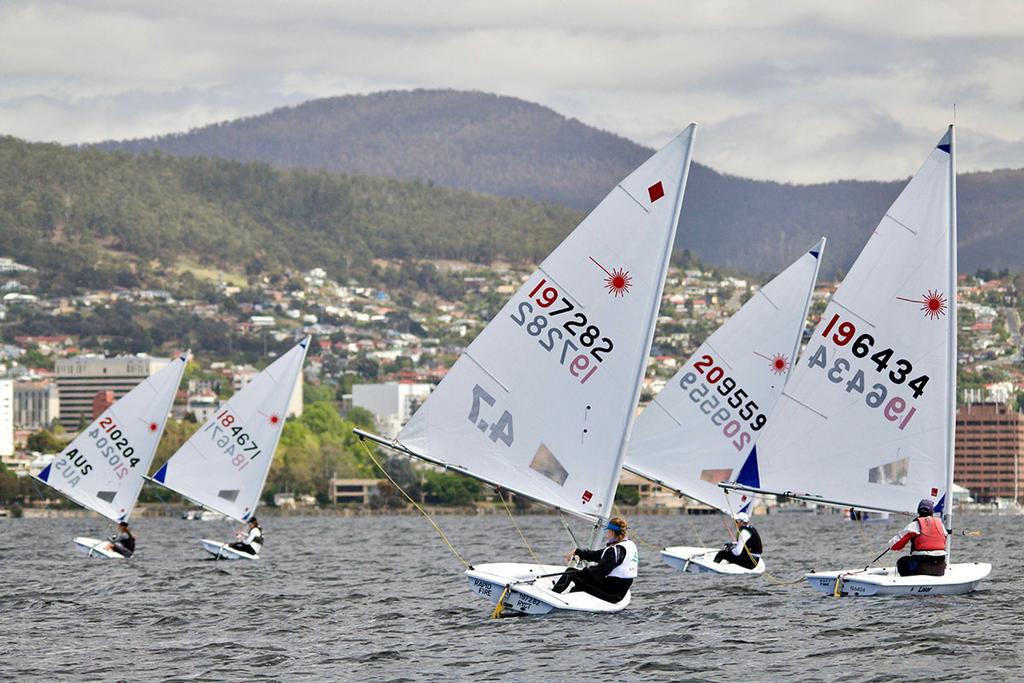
[[106, 495], [715, 476], [893, 473], [229, 495], [545, 462]]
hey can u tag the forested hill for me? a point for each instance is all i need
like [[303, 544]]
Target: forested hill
[[507, 147], [108, 218]]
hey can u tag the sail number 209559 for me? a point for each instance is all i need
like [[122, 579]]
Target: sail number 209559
[[500, 430]]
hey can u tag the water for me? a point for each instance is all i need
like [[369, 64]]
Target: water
[[382, 598]]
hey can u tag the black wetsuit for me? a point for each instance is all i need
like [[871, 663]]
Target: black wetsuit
[[594, 579], [245, 547], [744, 559], [123, 544]]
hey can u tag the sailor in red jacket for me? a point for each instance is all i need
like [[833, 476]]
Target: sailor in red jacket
[[927, 538]]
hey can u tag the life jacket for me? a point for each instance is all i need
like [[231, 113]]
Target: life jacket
[[257, 540], [754, 542], [630, 565], [932, 536], [129, 544]]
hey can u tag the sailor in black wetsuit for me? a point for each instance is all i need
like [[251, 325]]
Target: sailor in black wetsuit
[[253, 542], [746, 549], [122, 543], [617, 565]]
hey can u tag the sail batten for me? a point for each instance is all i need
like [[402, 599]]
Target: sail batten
[[542, 400]]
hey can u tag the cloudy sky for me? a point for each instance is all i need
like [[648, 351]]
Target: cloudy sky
[[794, 91]]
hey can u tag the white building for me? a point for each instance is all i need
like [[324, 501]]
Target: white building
[[392, 404], [6, 417], [36, 405]]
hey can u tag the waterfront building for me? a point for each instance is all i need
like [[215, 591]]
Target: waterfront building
[[358, 491], [36, 405], [989, 451], [392, 403], [6, 417]]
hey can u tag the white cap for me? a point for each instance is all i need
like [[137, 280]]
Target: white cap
[[742, 517]]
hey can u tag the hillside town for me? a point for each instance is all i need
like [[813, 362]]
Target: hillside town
[[381, 347]]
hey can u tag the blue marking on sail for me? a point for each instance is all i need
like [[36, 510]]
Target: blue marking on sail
[[161, 474], [946, 143], [813, 253], [748, 473], [746, 508], [45, 474], [246, 516], [941, 504]]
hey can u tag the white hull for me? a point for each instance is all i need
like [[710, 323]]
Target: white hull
[[959, 579], [702, 561], [533, 596], [94, 547], [222, 551]]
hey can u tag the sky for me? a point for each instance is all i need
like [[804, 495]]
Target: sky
[[792, 91]]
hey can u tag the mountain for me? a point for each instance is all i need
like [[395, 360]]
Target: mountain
[[508, 147], [110, 218]]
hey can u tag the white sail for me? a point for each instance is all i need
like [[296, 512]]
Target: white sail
[[864, 419], [542, 400], [698, 431], [103, 467], [224, 465]]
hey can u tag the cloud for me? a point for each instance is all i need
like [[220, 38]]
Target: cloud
[[798, 91]]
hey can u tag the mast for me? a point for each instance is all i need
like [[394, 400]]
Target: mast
[[648, 333], [951, 345]]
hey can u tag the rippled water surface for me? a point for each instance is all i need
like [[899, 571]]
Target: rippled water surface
[[382, 598]]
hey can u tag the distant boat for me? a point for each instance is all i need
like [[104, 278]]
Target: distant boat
[[102, 469], [224, 465], [866, 420], [542, 402], [698, 430]]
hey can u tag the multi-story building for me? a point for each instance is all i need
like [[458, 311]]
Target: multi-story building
[[6, 417], [392, 404], [990, 451], [36, 405], [80, 379]]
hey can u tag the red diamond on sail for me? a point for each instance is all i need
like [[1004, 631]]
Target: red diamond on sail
[[656, 191], [587, 495]]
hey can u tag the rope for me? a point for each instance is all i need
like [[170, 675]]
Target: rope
[[444, 538], [500, 607], [516, 525], [863, 536], [693, 528]]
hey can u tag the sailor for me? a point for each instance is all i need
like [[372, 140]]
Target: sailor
[[123, 542], [617, 564], [746, 549], [927, 538], [253, 541]]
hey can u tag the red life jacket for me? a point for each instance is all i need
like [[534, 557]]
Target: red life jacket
[[932, 536]]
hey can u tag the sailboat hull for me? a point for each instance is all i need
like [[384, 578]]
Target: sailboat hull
[[530, 589], [92, 547], [959, 579], [697, 560], [222, 551]]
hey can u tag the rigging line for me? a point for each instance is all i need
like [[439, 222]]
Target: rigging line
[[430, 519], [516, 525], [568, 528], [693, 528]]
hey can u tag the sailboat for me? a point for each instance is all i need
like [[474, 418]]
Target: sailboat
[[698, 430], [866, 420], [102, 469], [224, 465], [541, 403]]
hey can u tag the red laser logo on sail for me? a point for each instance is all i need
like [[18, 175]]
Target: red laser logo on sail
[[779, 364], [618, 281], [933, 304], [274, 419]]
